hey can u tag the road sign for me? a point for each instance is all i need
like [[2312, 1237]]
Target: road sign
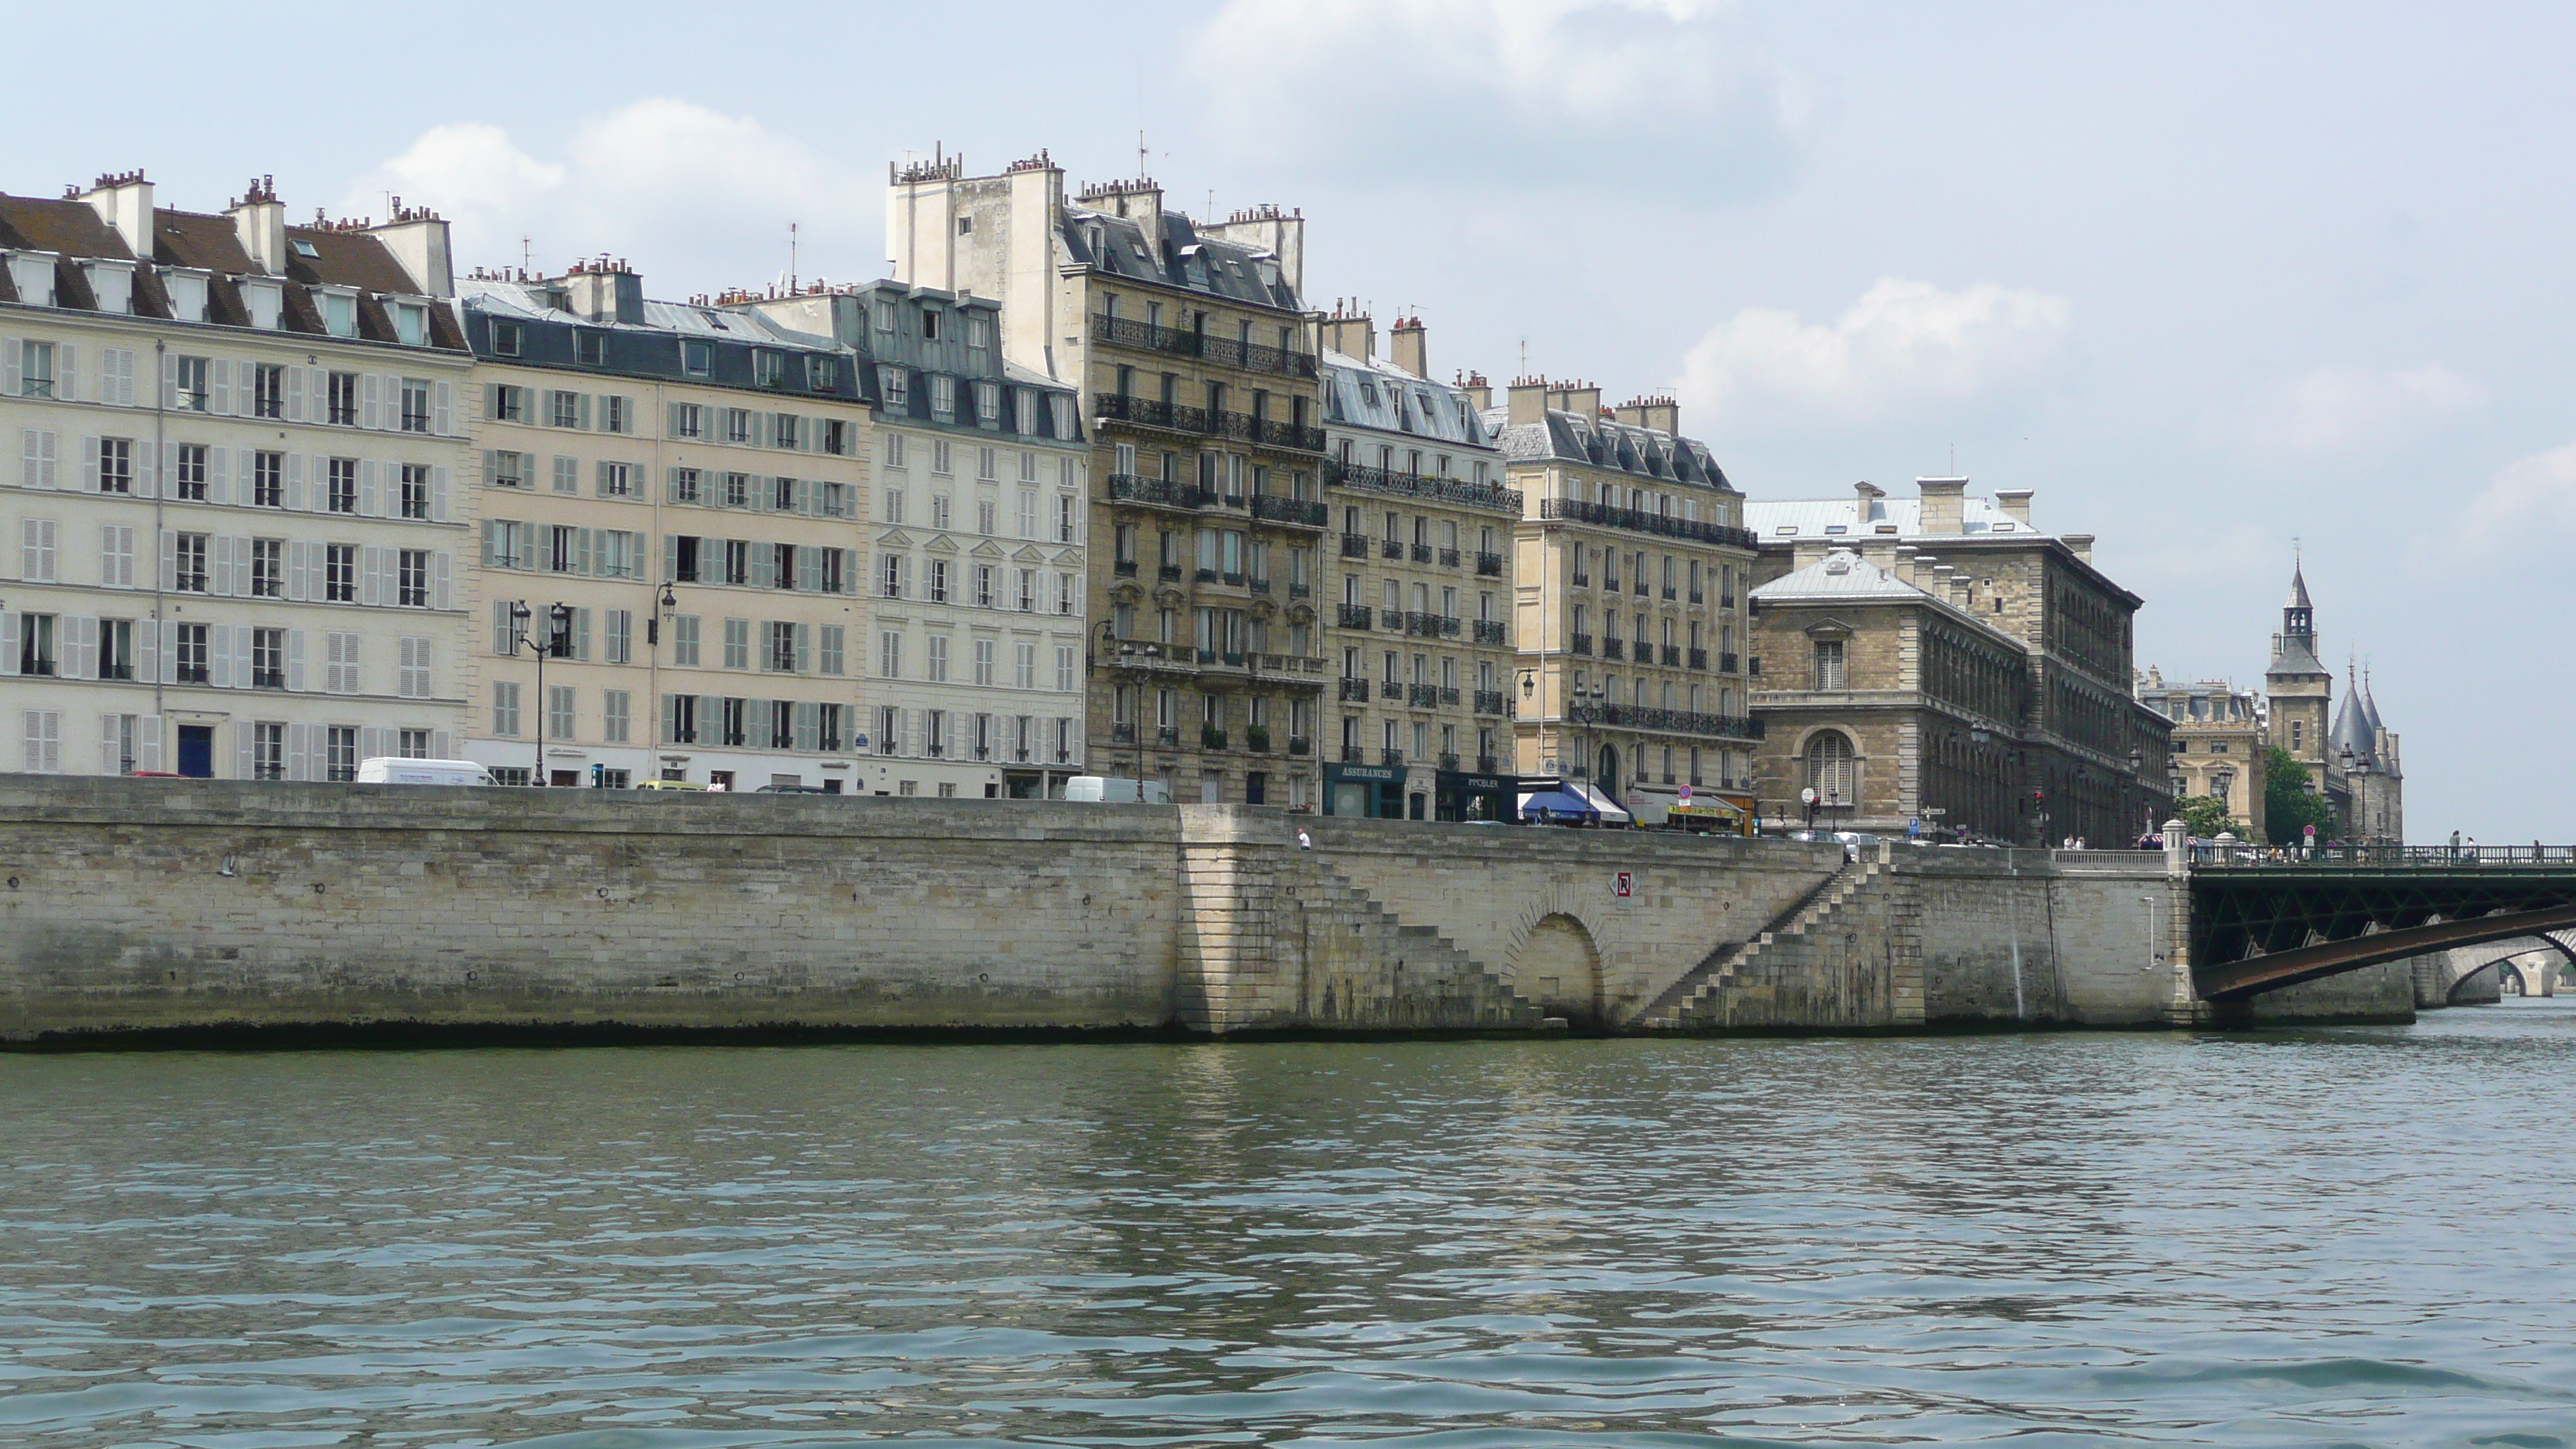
[[1624, 885], [1913, 827], [1807, 796], [2309, 831], [1686, 794]]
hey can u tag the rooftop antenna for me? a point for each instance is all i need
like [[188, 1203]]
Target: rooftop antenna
[[791, 256], [1524, 357], [527, 252], [1141, 167]]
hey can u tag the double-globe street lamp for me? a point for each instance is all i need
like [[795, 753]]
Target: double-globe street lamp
[[559, 621]]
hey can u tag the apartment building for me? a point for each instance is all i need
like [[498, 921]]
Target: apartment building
[[1419, 573], [669, 505], [232, 525], [978, 588], [1630, 561], [1195, 363]]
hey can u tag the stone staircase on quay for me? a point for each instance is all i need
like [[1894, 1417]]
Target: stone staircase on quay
[[1742, 984]]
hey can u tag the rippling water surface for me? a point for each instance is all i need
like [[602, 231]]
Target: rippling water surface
[[2320, 1237]]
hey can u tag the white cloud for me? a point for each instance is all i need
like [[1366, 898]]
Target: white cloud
[[2533, 500], [1418, 90], [1902, 348], [2341, 411], [695, 199]]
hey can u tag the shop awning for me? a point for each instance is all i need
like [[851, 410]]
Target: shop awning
[[1557, 805], [1608, 808]]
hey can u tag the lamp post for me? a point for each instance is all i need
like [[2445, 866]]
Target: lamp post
[[558, 619]]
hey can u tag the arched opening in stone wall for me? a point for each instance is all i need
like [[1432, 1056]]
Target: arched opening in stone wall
[[1559, 969]]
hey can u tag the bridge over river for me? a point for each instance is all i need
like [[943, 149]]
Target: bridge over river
[[2262, 921]]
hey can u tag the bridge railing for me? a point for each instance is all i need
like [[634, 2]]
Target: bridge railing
[[2381, 857]]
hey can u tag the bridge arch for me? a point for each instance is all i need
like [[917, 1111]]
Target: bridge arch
[[1558, 967]]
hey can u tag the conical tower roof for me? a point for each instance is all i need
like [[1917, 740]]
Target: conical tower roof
[[2298, 588], [2352, 729], [2370, 706]]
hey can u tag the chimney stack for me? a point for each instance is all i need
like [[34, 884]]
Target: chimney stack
[[125, 203], [1583, 399], [1352, 334], [605, 291], [1406, 346], [1944, 504], [2080, 544], [1662, 414], [259, 223], [2015, 502], [1529, 398], [1868, 495], [417, 237], [1480, 393]]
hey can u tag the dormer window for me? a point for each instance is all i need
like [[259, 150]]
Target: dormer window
[[822, 374], [306, 249], [112, 283], [411, 324], [929, 324], [697, 358], [943, 395], [32, 273], [340, 314], [768, 368], [979, 332], [895, 385], [187, 293], [263, 298], [885, 316], [988, 403], [505, 339], [590, 349]]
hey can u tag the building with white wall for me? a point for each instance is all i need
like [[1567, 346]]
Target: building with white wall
[[230, 526]]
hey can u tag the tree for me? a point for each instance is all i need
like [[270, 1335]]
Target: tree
[[2291, 801], [2204, 816]]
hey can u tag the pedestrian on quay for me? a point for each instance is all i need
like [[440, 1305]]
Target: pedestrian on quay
[[1304, 841]]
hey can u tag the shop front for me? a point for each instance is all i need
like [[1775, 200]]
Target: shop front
[[1373, 792], [1465, 796]]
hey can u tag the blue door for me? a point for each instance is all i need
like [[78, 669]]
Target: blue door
[[197, 751]]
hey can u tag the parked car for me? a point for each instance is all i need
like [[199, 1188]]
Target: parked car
[[668, 785], [389, 770], [794, 790]]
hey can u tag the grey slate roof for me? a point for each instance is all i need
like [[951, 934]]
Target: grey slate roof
[[1651, 454], [1840, 576], [1376, 394], [1771, 518], [1180, 257]]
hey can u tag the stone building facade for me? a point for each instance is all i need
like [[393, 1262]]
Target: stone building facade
[[2086, 759], [233, 528], [668, 500], [977, 590], [2219, 734], [2352, 757], [1629, 568], [1195, 361], [1419, 581]]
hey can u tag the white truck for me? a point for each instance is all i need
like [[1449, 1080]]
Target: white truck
[[388, 770], [1112, 790]]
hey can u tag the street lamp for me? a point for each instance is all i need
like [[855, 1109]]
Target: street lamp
[[559, 621]]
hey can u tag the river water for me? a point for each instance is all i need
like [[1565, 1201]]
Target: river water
[[2344, 1236]]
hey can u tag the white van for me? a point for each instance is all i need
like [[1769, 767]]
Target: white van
[[1111, 790], [386, 770]]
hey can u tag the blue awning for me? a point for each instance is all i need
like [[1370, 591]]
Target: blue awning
[[1558, 805]]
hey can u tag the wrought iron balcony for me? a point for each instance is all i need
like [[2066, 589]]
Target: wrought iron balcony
[[1422, 553], [1390, 689], [1668, 593], [1352, 616], [1259, 586], [1697, 597], [1169, 573], [1353, 755], [1449, 762], [1298, 591], [1489, 565], [1448, 695], [1699, 659], [1614, 648], [1665, 721], [1355, 545], [1393, 759], [1299, 512], [1205, 576], [1211, 738], [1422, 626], [263, 678], [1582, 644], [1300, 745], [1726, 664], [1222, 351], [1355, 689], [1582, 580], [1672, 655], [1575, 510], [1391, 548], [1492, 701], [1168, 736], [1448, 627], [1392, 621], [1422, 696], [1186, 418], [1448, 558], [1440, 490], [1489, 764], [1642, 591], [1491, 631], [1161, 492], [1125, 568], [1256, 738], [1233, 580]]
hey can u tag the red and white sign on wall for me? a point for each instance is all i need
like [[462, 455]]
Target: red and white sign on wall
[[1624, 884]]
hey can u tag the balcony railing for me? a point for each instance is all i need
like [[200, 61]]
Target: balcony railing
[[1393, 759], [1489, 764], [1186, 418], [1441, 490], [1422, 696], [1163, 492], [1211, 738], [1448, 558], [1300, 745], [1668, 593], [1355, 690], [1355, 545], [1422, 553], [1582, 580], [1352, 616], [1699, 659], [1123, 733], [1672, 655], [1168, 736], [1489, 565], [1665, 721], [1422, 626], [1298, 591], [1223, 351], [1491, 631], [1259, 586], [1391, 547], [1169, 573], [1353, 755], [1575, 510], [1492, 701], [1392, 621], [1697, 597], [1582, 644], [1448, 695], [1302, 512], [1390, 689], [1726, 664], [1125, 568], [268, 679], [1614, 648], [1448, 761]]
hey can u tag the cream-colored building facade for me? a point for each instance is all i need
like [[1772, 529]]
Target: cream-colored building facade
[[232, 527], [1630, 571], [687, 483], [2219, 735]]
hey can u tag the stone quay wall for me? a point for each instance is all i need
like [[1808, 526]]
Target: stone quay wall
[[187, 909]]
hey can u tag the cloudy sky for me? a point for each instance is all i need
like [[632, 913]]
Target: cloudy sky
[[2210, 278]]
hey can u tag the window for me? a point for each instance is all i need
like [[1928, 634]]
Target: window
[[189, 563], [268, 568], [988, 403], [737, 643], [697, 359], [1831, 771], [36, 369], [889, 576], [943, 396], [560, 699], [505, 338], [890, 665], [1028, 591], [1024, 662], [684, 485], [189, 663], [1064, 681], [785, 430], [116, 649], [737, 561], [414, 743], [590, 349], [1064, 517], [39, 550], [684, 641], [1829, 664], [268, 659], [929, 324], [342, 394], [939, 581], [688, 420], [415, 490], [505, 709], [983, 661], [617, 414], [768, 368], [616, 480], [415, 405], [36, 633], [778, 646], [340, 573], [828, 649], [616, 716], [340, 753], [736, 492], [192, 388], [938, 667], [983, 586], [341, 486], [822, 374], [115, 465], [682, 711], [412, 579], [939, 459], [563, 409], [737, 425]]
